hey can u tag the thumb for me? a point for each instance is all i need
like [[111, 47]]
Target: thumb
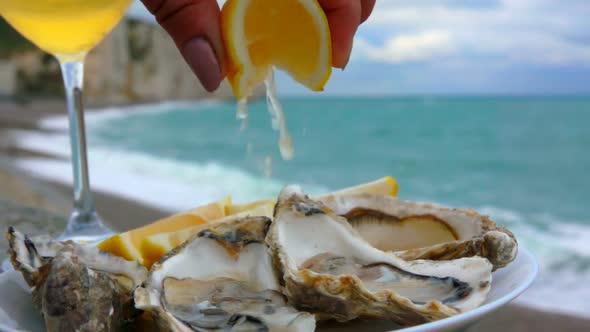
[[344, 17], [194, 27]]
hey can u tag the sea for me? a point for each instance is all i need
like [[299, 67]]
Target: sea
[[525, 161]]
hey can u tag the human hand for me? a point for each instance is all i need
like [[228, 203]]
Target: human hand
[[194, 27]]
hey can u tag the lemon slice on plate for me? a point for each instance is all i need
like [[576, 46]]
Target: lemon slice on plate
[[383, 186], [155, 246], [386, 185], [127, 245]]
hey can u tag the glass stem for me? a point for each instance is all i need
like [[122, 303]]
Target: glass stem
[[73, 75]]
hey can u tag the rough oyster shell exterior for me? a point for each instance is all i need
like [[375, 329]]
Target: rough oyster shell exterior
[[220, 279], [342, 287], [76, 288]]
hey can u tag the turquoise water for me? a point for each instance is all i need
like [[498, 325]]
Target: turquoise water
[[528, 155]]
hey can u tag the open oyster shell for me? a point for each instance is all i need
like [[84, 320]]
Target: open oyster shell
[[424, 231], [76, 288], [330, 270], [220, 279]]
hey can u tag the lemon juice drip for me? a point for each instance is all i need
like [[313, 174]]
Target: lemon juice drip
[[277, 117], [268, 166], [242, 112]]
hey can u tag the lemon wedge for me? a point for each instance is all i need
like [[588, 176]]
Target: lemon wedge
[[291, 35], [155, 246], [384, 186], [127, 244]]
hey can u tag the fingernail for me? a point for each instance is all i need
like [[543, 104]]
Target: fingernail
[[347, 58], [344, 60], [199, 55]]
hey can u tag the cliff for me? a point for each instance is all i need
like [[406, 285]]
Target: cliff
[[136, 62]]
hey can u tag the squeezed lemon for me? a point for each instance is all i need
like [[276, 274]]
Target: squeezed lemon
[[260, 35]]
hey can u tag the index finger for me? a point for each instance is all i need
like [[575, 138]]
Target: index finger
[[193, 24]]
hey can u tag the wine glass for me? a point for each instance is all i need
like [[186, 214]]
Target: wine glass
[[68, 29]]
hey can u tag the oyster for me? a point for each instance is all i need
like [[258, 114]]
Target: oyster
[[329, 270], [424, 231], [220, 279], [76, 288]]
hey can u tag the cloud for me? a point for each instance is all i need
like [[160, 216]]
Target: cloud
[[524, 31], [409, 47]]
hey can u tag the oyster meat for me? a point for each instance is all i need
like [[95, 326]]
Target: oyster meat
[[75, 287], [329, 269], [424, 231], [220, 280]]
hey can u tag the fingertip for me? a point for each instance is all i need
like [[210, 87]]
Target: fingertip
[[366, 9], [201, 58], [344, 17], [194, 25]]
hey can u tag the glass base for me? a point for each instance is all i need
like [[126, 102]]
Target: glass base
[[83, 228], [86, 228]]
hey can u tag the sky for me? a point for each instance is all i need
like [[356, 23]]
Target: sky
[[480, 47]]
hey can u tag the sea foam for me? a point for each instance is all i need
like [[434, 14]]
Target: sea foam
[[166, 183]]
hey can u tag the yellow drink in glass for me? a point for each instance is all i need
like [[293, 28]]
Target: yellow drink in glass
[[68, 29], [63, 27]]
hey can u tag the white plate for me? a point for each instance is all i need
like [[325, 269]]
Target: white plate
[[18, 314]]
